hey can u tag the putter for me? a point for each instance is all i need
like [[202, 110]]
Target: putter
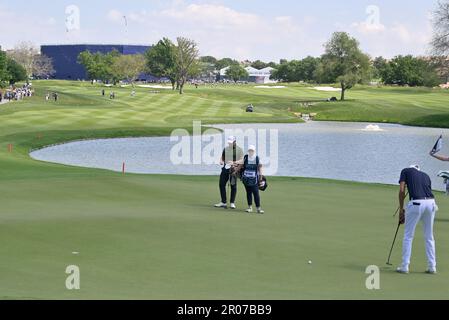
[[229, 191], [397, 211], [392, 246]]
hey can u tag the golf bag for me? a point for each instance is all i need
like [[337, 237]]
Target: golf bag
[[445, 176], [234, 174], [263, 184]]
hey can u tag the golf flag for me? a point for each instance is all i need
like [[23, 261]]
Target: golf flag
[[438, 145]]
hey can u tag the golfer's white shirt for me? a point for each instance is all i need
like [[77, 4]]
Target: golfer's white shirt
[[424, 212]]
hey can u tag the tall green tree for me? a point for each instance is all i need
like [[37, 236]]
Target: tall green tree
[[129, 67], [381, 68], [209, 60], [4, 76], [186, 60], [297, 70], [236, 72], [281, 72], [225, 62], [15, 71], [307, 69], [207, 70], [344, 62], [288, 71], [258, 64], [100, 66], [441, 66], [161, 61], [108, 63], [410, 71]]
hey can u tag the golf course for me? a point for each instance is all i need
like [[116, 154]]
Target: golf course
[[159, 237]]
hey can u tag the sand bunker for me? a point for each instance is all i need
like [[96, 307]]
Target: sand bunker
[[269, 87], [328, 89], [154, 86]]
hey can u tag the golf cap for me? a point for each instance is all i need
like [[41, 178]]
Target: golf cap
[[415, 166], [252, 148], [231, 139]]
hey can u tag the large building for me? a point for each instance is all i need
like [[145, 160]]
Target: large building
[[262, 76], [65, 57]]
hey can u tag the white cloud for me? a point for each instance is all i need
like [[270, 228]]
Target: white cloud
[[402, 33], [115, 15], [392, 39], [368, 28], [220, 30], [223, 31], [212, 15], [50, 21], [27, 27]]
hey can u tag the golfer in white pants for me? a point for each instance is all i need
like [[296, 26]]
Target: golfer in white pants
[[422, 207]]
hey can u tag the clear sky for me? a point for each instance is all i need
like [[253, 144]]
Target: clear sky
[[242, 29]]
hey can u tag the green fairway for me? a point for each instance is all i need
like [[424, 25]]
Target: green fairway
[[158, 237], [82, 107]]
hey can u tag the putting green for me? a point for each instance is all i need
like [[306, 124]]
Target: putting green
[[157, 237]]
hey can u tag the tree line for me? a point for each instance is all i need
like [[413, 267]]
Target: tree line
[[175, 61], [343, 62], [23, 63], [112, 67]]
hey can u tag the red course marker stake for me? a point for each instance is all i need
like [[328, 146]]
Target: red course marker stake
[[10, 148], [123, 168]]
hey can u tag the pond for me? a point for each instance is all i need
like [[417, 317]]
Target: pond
[[363, 152]]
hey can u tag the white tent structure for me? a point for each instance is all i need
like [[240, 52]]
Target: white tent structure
[[261, 76]]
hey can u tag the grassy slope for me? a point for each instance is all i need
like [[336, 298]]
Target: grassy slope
[[410, 106], [138, 241]]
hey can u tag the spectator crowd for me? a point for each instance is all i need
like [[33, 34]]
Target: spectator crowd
[[16, 93]]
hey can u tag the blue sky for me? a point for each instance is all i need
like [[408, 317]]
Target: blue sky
[[252, 29]]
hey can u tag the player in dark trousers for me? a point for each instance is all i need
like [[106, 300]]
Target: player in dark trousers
[[229, 157]]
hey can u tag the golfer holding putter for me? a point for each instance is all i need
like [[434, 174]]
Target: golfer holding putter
[[422, 207], [230, 155]]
